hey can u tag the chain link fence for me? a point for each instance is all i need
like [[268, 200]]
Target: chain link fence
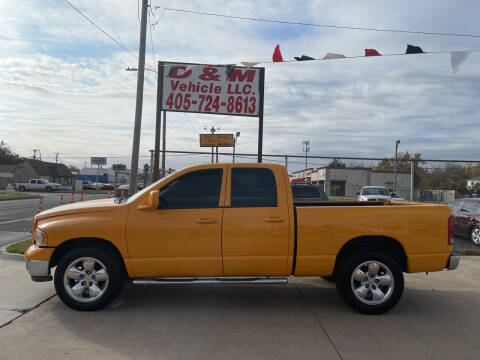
[[416, 179]]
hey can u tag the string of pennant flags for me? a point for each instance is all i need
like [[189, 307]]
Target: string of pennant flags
[[457, 58]]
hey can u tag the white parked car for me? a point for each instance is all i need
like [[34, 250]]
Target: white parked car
[[37, 185], [396, 197], [373, 193]]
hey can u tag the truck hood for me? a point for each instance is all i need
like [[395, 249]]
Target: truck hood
[[79, 207]]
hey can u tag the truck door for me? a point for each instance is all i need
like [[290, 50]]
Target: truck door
[[33, 185], [183, 236], [256, 224]]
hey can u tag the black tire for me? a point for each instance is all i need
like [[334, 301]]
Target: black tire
[[48, 189], [330, 278], [345, 282], [475, 235], [110, 288], [21, 188]]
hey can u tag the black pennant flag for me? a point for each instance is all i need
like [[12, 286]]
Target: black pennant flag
[[229, 70], [414, 50], [303, 58]]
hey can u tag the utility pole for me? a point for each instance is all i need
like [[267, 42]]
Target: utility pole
[[306, 148], [139, 103], [235, 139], [56, 158], [35, 154], [395, 169]]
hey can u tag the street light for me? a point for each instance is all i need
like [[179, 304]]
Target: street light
[[237, 135], [306, 149], [213, 129], [395, 171]]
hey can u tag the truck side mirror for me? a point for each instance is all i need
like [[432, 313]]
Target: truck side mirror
[[357, 194], [153, 199]]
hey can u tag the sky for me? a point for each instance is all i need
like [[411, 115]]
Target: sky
[[64, 88]]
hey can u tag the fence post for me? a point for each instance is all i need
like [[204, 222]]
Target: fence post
[[286, 162], [412, 173]]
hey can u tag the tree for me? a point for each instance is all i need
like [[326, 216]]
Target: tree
[[7, 156], [336, 164], [403, 165], [73, 168]]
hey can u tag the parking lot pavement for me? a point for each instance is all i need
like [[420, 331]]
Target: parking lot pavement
[[17, 291], [464, 244], [437, 318]]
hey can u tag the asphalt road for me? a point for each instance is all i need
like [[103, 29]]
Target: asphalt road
[[16, 215], [437, 318]]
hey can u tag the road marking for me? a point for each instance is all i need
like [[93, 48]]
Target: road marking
[[14, 221]]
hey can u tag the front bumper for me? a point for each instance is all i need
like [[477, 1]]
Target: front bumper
[[453, 262], [39, 270]]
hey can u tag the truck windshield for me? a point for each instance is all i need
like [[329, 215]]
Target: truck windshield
[[375, 191]]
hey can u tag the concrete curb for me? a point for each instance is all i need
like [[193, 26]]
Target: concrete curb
[[3, 249]]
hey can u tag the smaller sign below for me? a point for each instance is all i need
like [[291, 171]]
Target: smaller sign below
[[98, 161], [119, 167], [216, 140]]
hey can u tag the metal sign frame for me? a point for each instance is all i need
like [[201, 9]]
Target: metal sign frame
[[160, 110]]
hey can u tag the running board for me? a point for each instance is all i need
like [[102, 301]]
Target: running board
[[163, 281]]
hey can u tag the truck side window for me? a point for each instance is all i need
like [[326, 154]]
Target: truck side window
[[253, 187], [195, 190]]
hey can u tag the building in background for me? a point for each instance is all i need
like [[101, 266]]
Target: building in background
[[36, 169], [347, 182], [106, 175], [6, 175]]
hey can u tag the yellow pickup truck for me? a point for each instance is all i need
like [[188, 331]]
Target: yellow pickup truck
[[234, 223]]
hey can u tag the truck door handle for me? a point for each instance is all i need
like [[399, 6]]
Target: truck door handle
[[206, 221], [274, 219]]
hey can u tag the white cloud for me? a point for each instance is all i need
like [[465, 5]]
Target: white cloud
[[63, 86]]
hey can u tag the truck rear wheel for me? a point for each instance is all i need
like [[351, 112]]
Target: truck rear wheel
[[88, 279], [370, 281]]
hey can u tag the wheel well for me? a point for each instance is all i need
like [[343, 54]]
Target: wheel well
[[381, 243], [98, 243]]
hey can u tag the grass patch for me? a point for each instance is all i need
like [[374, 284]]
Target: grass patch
[[7, 195], [19, 247]]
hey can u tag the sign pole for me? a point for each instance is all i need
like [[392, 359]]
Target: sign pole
[[164, 139], [158, 119], [260, 114]]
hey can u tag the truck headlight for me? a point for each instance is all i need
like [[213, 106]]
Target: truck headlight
[[40, 238]]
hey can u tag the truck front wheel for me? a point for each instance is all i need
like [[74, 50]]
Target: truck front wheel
[[88, 279], [370, 281]]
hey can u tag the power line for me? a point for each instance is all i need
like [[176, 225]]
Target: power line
[[316, 25], [103, 31]]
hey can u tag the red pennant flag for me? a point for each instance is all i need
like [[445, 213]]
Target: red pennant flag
[[372, 52], [277, 55]]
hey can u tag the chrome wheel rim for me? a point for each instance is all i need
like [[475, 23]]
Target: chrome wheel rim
[[86, 279], [476, 236], [372, 282]]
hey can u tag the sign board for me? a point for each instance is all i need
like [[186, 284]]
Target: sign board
[[214, 140], [98, 161], [119, 167], [209, 89]]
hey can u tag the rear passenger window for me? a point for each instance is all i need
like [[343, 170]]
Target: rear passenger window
[[253, 187], [195, 190]]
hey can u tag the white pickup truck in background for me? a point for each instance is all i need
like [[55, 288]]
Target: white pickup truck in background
[[373, 193], [37, 185]]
